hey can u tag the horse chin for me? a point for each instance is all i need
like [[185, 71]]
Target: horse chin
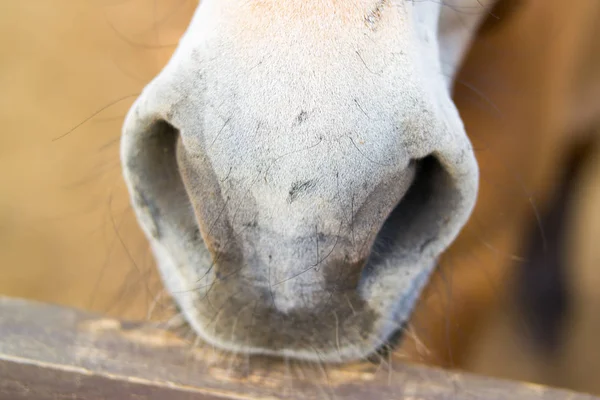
[[384, 317]]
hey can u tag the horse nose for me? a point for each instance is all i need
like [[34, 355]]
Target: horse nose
[[293, 241], [260, 226], [282, 180]]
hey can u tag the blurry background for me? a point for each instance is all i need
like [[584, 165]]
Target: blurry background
[[69, 72], [67, 232]]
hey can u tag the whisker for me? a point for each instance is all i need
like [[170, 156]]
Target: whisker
[[106, 107]]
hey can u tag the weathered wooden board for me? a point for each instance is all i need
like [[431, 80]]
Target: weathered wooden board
[[49, 352]]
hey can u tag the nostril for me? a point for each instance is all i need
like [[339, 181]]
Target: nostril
[[151, 172], [153, 152], [417, 220]]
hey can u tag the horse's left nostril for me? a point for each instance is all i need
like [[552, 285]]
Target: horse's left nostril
[[415, 223]]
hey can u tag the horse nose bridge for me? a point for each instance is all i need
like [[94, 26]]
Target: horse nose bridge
[[321, 218]]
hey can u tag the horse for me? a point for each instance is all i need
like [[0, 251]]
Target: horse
[[309, 173]]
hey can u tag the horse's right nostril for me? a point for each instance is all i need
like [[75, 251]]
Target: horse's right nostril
[[158, 194]]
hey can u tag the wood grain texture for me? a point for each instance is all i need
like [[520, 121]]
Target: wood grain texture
[[49, 352]]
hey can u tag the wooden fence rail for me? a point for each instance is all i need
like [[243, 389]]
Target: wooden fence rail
[[49, 352]]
